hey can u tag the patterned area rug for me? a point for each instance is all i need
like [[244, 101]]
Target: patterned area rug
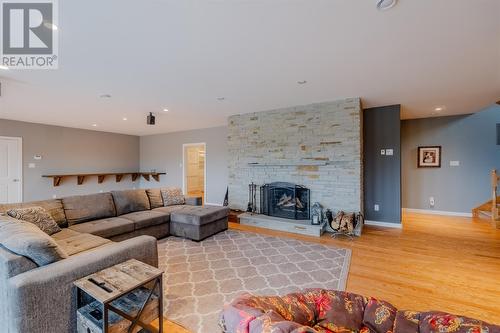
[[201, 277]]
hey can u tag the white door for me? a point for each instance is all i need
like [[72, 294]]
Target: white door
[[10, 170], [194, 170]]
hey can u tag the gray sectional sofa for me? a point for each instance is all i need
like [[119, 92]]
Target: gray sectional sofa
[[97, 231]]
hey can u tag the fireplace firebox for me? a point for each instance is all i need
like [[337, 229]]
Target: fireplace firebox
[[285, 200]]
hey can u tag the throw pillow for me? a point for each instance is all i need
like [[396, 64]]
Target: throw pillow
[[379, 316], [26, 239], [172, 196], [347, 223], [38, 216]]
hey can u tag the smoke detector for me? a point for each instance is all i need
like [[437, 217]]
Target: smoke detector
[[386, 4]]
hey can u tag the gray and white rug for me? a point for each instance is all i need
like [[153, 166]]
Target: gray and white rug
[[201, 277]]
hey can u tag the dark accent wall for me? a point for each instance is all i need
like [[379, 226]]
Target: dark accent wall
[[382, 173]]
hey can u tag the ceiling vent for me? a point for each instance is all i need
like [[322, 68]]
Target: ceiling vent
[[386, 4]]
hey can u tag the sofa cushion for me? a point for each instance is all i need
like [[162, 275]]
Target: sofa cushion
[[147, 218], [444, 322], [65, 233], [199, 215], [129, 201], [54, 207], [155, 198], [379, 316], [84, 208], [340, 310], [38, 216], [106, 228], [172, 196], [26, 239], [81, 242], [169, 209], [406, 322]]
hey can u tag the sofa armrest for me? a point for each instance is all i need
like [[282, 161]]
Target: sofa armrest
[[44, 299], [194, 201]]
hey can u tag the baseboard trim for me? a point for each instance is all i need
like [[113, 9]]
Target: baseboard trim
[[436, 212], [384, 224], [212, 204]]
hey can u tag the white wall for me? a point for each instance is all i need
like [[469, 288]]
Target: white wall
[[163, 152]]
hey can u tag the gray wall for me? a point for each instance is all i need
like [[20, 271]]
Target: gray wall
[[382, 173], [468, 139], [163, 152], [67, 150]]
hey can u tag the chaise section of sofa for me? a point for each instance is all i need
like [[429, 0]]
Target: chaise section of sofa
[[42, 299]]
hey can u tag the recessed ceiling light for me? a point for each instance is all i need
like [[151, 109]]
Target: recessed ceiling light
[[439, 108], [125, 119], [4, 67], [302, 82], [386, 4], [51, 26], [165, 110], [221, 99], [94, 125], [105, 96]]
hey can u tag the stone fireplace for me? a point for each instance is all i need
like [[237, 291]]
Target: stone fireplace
[[285, 200], [318, 146]]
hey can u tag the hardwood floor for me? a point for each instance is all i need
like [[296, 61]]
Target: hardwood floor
[[434, 263]]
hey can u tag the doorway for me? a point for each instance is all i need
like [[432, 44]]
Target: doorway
[[11, 170], [194, 179]]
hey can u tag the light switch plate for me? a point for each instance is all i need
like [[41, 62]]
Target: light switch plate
[[31, 165], [382, 152], [455, 163], [389, 152]]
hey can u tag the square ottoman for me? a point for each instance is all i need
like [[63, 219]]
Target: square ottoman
[[198, 222]]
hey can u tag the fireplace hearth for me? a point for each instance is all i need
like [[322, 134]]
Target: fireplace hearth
[[285, 200]]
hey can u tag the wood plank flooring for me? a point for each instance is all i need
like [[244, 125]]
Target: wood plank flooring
[[433, 263]]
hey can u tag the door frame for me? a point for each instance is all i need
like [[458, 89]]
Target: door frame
[[20, 162], [204, 144]]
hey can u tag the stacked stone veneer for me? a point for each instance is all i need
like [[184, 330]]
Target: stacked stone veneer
[[317, 145]]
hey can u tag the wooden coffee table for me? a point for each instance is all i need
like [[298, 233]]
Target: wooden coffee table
[[123, 298]]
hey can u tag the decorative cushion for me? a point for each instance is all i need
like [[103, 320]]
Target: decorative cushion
[[26, 239], [38, 216], [406, 322], [172, 196], [379, 316], [130, 201], [155, 198], [106, 228], [54, 207], [83, 208], [339, 311], [440, 322]]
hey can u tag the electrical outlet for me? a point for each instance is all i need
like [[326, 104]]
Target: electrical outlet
[[454, 163], [432, 202], [376, 207], [54, 196]]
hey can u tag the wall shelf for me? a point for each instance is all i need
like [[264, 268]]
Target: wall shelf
[[80, 177]]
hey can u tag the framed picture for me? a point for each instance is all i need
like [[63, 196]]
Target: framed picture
[[429, 157]]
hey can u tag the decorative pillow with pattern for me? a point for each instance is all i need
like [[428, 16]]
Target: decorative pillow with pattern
[[379, 316], [38, 216], [172, 196]]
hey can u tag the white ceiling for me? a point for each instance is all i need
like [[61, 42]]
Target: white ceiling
[[184, 54]]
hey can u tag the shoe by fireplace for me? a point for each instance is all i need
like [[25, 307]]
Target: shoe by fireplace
[[285, 200]]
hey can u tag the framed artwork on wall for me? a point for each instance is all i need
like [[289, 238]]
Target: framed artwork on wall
[[429, 157]]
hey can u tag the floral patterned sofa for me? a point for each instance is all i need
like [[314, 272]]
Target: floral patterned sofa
[[329, 311]]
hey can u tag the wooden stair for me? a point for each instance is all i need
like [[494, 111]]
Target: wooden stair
[[491, 209]]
